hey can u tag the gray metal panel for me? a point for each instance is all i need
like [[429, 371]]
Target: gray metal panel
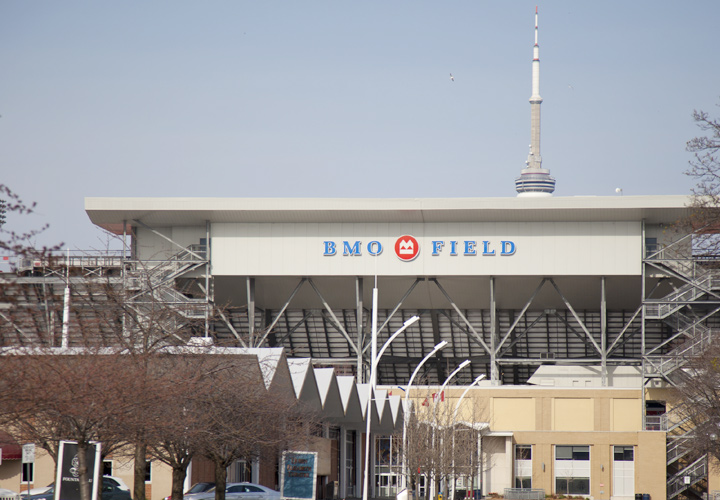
[[110, 213]]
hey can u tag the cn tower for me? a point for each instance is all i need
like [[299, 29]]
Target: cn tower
[[535, 181]]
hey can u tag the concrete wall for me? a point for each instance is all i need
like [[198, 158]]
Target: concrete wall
[[546, 417]]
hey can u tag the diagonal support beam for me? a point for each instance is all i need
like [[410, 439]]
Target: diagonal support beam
[[475, 334], [521, 336], [231, 327], [522, 314], [580, 337], [622, 332], [577, 318], [387, 320], [337, 322], [390, 316], [291, 330], [280, 313]]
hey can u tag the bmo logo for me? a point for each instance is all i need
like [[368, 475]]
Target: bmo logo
[[407, 248]]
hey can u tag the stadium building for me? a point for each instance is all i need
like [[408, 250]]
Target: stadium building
[[578, 311]]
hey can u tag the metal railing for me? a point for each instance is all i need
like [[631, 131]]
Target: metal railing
[[690, 475], [524, 494]]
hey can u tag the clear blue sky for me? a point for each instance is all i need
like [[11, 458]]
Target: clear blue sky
[[254, 98]]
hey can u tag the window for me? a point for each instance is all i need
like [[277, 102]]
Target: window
[[107, 468], [148, 471], [382, 448], [651, 245], [523, 452], [350, 451], [523, 466], [28, 473], [572, 470], [572, 453], [523, 482], [623, 454], [238, 472], [572, 485]]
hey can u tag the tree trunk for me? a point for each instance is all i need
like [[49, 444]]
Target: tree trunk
[[83, 473], [220, 479], [179, 474], [139, 471]]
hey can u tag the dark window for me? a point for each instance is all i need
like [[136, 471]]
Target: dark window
[[623, 454], [572, 485], [523, 482], [148, 472], [523, 452], [107, 469]]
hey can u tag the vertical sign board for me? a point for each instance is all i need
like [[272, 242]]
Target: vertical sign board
[[299, 475], [68, 473], [28, 457], [28, 453]]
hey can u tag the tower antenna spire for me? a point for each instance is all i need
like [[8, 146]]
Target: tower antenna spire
[[534, 180]]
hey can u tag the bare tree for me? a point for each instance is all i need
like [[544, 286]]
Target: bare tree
[[430, 440], [698, 402], [82, 396], [241, 419], [444, 445], [20, 244], [698, 384], [705, 166]]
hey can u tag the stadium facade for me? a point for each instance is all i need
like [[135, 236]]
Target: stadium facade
[[580, 312], [571, 307]]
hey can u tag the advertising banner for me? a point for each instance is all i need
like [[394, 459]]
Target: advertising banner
[[67, 483], [298, 475]]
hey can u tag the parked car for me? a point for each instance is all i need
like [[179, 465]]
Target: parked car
[[195, 489], [245, 491], [4, 493], [111, 490]]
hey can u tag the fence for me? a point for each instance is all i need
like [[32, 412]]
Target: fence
[[524, 494]]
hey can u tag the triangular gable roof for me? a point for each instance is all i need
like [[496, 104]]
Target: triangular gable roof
[[298, 371], [386, 423], [304, 382], [324, 377], [329, 393], [350, 399], [396, 410], [269, 360], [362, 390]]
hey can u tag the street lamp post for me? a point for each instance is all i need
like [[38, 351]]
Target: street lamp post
[[457, 407], [371, 386], [406, 406], [439, 395]]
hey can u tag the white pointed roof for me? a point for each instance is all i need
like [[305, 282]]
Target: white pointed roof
[[329, 391]]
